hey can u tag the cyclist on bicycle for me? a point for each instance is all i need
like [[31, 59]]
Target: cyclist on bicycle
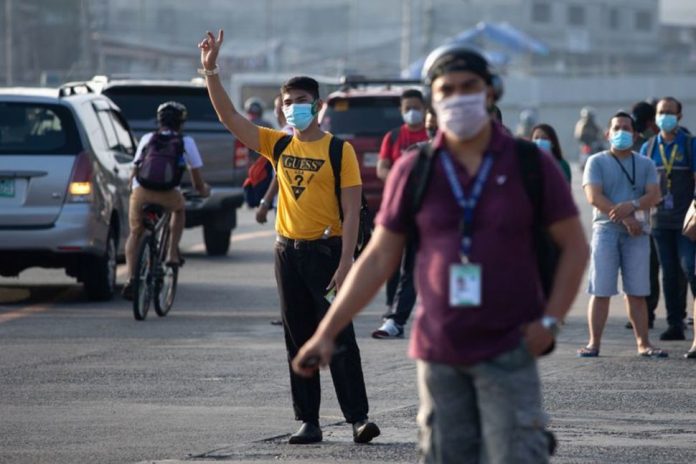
[[153, 148]]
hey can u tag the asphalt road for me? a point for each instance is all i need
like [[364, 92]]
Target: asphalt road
[[85, 382]]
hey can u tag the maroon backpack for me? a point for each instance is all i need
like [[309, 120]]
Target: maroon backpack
[[162, 164]]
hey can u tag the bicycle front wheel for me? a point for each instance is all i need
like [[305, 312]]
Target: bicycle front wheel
[[142, 283], [165, 290]]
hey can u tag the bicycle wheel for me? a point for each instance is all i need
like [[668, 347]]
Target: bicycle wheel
[[142, 283], [166, 277], [165, 290]]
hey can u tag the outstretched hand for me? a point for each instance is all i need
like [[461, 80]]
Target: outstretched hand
[[210, 47]]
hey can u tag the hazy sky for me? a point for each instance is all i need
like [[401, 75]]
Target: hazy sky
[[678, 11]]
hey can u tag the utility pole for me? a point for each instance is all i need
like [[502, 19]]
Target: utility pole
[[9, 77], [406, 7], [428, 13]]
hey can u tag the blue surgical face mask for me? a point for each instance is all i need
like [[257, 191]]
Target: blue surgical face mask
[[544, 144], [299, 115], [622, 140], [666, 122]]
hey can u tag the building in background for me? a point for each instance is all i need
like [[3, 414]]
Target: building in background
[[79, 38]]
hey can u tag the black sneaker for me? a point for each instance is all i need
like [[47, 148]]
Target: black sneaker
[[673, 333], [127, 290], [364, 431], [308, 433]]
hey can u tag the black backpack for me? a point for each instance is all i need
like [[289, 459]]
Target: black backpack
[[530, 168], [336, 157], [162, 164]]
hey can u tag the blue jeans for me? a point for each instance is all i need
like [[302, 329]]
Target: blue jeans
[[676, 255], [487, 413]]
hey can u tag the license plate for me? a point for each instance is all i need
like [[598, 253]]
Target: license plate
[[7, 188], [370, 160]]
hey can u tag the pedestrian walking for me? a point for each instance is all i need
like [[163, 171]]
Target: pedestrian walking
[[622, 187], [545, 137], [672, 151], [482, 319], [401, 292], [315, 243]]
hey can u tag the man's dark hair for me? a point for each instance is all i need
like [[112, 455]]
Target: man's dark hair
[[642, 113], [301, 83], [623, 114], [673, 100], [497, 114], [412, 93]]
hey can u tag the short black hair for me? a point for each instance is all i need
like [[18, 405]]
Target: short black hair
[[623, 114], [673, 100], [642, 113], [412, 93], [301, 83]]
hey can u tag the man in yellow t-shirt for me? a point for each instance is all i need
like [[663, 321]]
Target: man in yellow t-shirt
[[314, 248]]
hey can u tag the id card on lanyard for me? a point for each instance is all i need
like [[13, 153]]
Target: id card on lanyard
[[668, 200], [465, 289]]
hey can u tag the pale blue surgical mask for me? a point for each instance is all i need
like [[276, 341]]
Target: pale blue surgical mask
[[544, 144], [413, 117], [666, 122], [622, 140], [299, 115]]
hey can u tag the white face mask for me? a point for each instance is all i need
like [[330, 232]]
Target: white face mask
[[413, 117], [462, 115]]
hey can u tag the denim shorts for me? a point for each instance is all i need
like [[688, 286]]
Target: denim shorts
[[487, 413], [613, 249]]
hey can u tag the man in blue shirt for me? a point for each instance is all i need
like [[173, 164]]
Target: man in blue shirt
[[672, 152]]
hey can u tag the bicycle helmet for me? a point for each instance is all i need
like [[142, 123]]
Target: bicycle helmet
[[171, 114]]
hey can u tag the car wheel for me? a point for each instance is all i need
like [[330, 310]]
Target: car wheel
[[217, 241], [100, 273]]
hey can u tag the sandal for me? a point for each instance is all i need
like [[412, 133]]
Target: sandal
[[588, 352], [653, 353], [691, 354]]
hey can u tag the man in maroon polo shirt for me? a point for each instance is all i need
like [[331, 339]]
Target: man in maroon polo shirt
[[482, 318]]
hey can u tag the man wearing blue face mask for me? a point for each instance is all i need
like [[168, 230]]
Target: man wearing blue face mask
[[622, 187], [672, 152], [317, 224]]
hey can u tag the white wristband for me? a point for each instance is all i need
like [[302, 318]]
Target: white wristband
[[209, 72]]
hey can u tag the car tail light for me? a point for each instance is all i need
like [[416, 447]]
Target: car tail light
[[80, 186], [241, 155]]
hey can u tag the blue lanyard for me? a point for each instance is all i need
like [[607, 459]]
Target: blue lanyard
[[468, 205]]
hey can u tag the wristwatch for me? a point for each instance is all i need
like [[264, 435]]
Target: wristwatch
[[263, 203], [551, 324], [636, 204]]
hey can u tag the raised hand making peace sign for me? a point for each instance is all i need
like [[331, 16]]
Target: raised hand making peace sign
[[210, 47]]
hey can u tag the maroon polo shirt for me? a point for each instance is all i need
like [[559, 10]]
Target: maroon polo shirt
[[502, 245]]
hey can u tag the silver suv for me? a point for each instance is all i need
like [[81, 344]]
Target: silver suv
[[223, 169], [64, 172]]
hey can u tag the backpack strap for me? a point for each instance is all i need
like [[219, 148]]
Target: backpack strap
[[394, 135], [546, 251], [417, 184], [280, 146], [336, 158], [532, 179]]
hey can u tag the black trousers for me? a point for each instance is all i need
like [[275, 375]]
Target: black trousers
[[401, 290], [303, 271]]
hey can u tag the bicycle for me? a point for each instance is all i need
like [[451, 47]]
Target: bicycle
[[154, 280]]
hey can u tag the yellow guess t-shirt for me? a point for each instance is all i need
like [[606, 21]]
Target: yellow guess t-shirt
[[307, 201]]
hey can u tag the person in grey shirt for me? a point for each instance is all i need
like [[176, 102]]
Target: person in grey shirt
[[622, 186]]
